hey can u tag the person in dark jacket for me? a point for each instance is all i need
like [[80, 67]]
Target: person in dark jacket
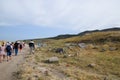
[[8, 50], [31, 46], [16, 48]]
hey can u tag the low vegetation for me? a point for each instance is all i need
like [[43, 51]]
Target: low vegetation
[[98, 60]]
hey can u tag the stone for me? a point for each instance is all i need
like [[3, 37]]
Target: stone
[[53, 59], [67, 44], [112, 48], [59, 50], [91, 65], [102, 50], [82, 45], [42, 69]]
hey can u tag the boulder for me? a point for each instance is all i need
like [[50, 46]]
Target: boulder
[[112, 48], [53, 59], [102, 50], [92, 65], [82, 45], [59, 50]]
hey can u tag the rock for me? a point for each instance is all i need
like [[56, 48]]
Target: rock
[[82, 45], [102, 50], [53, 59], [112, 48], [91, 65], [59, 50], [67, 44], [42, 69]]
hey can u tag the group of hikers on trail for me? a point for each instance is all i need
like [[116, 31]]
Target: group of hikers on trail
[[9, 49]]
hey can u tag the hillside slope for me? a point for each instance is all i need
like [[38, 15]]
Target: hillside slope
[[97, 59]]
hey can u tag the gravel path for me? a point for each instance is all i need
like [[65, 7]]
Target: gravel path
[[8, 68]]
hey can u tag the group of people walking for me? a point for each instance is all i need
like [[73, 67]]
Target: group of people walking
[[9, 49]]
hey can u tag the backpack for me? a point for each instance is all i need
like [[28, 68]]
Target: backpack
[[31, 44], [8, 48], [20, 46]]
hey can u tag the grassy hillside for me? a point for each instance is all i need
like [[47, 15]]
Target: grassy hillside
[[97, 37], [98, 60]]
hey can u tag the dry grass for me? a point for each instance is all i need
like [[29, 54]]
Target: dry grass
[[98, 37], [75, 67]]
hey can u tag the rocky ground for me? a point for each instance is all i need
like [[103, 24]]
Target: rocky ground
[[89, 64]]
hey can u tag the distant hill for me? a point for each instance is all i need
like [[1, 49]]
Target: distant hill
[[104, 30], [83, 33], [64, 36]]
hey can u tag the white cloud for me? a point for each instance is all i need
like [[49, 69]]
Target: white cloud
[[74, 14]]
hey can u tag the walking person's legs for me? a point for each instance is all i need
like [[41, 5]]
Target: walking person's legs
[[16, 52], [30, 50], [33, 50], [4, 57], [7, 56], [0, 58], [10, 55]]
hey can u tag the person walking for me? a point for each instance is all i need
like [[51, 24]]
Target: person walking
[[16, 48], [20, 46], [8, 51], [3, 52], [0, 55], [32, 47]]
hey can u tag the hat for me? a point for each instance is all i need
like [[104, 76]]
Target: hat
[[7, 43], [18, 41], [31, 41]]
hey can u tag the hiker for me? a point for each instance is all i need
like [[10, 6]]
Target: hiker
[[31, 46], [8, 51], [12, 48], [16, 48], [20, 46], [23, 44], [2, 53]]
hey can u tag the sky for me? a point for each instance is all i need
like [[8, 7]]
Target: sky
[[28, 19]]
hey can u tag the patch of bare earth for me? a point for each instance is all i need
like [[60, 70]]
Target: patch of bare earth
[[7, 69]]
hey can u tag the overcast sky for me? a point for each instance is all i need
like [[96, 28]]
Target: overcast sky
[[23, 19]]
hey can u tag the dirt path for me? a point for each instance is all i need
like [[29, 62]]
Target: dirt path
[[8, 68]]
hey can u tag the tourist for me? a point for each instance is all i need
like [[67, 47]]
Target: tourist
[[31, 46]]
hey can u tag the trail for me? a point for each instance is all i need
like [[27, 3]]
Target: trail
[[8, 68]]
